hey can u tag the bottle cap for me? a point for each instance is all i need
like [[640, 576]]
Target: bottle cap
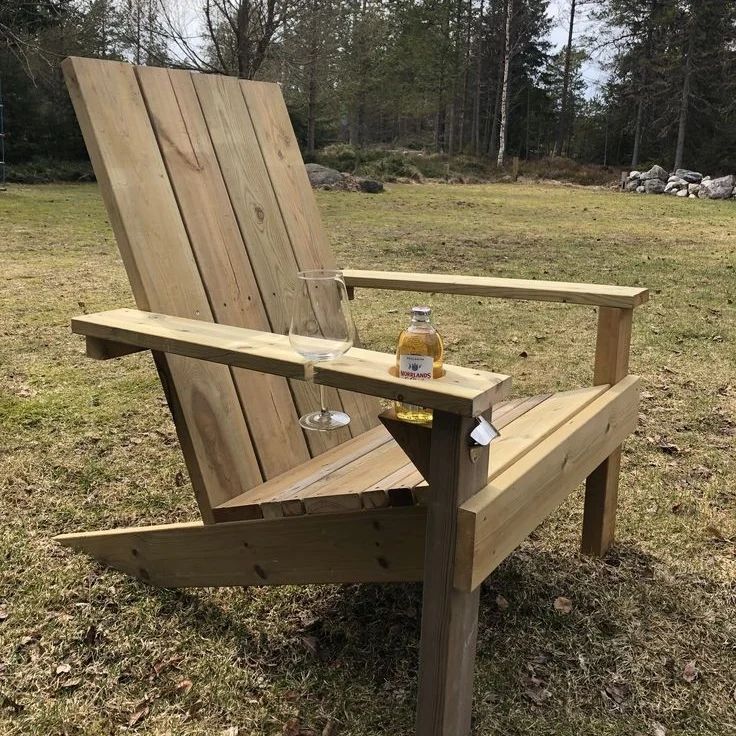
[[421, 312]]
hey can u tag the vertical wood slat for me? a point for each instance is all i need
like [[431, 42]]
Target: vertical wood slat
[[162, 270], [449, 616], [298, 208], [601, 487], [257, 211], [221, 256]]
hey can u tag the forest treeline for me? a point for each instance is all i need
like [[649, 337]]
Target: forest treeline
[[474, 77]]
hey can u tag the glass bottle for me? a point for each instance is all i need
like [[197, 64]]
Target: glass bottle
[[419, 357]]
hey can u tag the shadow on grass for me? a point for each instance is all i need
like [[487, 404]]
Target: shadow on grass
[[616, 658]]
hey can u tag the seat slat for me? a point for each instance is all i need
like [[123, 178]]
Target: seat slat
[[269, 499], [163, 273], [218, 246], [373, 472], [298, 207], [342, 490]]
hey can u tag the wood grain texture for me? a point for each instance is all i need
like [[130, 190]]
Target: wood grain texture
[[546, 291], [298, 207], [162, 270], [466, 391], [495, 520], [282, 496], [378, 546], [205, 341], [252, 196], [414, 439], [366, 472], [461, 390], [449, 616], [601, 488], [222, 259]]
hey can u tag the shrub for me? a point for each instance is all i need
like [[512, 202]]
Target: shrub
[[393, 166], [45, 170]]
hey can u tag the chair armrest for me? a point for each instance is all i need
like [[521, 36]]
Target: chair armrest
[[464, 391], [622, 297]]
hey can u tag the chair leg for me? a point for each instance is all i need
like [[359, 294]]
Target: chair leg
[[601, 488], [601, 498], [449, 616]]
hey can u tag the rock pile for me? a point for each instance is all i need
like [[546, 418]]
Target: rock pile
[[322, 177], [683, 183]]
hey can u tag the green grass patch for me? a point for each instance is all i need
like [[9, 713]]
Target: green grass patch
[[86, 445]]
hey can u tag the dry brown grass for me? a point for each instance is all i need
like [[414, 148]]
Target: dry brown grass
[[85, 445]]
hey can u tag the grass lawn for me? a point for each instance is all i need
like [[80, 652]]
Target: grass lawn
[[649, 647]]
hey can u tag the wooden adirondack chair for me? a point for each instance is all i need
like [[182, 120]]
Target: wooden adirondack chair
[[213, 213]]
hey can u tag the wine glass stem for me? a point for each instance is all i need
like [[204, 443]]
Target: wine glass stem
[[322, 407]]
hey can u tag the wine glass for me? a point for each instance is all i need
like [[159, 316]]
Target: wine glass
[[321, 329]]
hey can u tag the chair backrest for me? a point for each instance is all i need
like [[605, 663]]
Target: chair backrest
[[213, 213]]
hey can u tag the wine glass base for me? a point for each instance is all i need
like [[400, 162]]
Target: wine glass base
[[324, 421]]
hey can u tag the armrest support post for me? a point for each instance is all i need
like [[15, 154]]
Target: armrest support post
[[601, 487]]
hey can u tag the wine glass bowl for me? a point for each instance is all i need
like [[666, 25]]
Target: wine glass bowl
[[321, 329]]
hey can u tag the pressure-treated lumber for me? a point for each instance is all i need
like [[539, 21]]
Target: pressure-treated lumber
[[380, 546], [162, 270], [250, 192], [282, 496], [206, 341], [601, 488], [414, 439], [523, 424], [498, 518], [222, 258], [465, 391], [298, 208], [462, 391], [449, 616], [370, 471], [546, 291]]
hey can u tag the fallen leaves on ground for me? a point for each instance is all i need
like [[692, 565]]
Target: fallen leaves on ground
[[690, 672], [183, 687], [501, 603], [139, 713], [563, 605], [293, 727]]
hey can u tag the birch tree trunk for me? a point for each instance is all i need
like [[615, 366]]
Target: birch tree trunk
[[505, 87]]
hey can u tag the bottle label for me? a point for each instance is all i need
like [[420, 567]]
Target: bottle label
[[416, 367]]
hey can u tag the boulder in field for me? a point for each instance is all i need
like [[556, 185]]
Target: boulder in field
[[640, 189], [693, 188], [721, 188], [656, 172], [631, 186], [682, 193], [691, 177], [370, 186], [322, 176], [672, 187], [654, 186], [634, 175], [692, 196], [677, 180]]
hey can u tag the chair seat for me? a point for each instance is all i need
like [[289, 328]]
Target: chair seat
[[371, 471]]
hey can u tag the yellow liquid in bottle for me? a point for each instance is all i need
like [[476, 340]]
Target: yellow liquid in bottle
[[419, 356]]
